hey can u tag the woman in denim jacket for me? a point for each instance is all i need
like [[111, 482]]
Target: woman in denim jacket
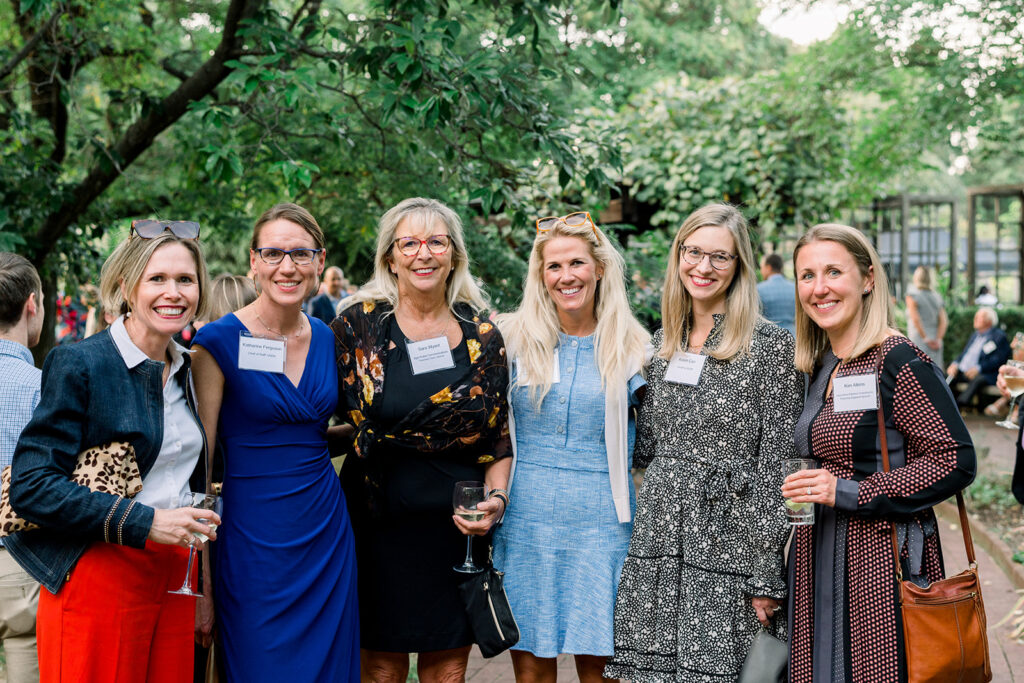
[[108, 562]]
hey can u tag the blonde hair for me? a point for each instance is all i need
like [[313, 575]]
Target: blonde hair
[[124, 268], [742, 305], [876, 317], [531, 331], [229, 293], [383, 286], [293, 213], [922, 278]]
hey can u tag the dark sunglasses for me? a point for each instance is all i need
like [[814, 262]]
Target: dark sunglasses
[[147, 229]]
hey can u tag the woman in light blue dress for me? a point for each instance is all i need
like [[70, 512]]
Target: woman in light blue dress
[[577, 352]]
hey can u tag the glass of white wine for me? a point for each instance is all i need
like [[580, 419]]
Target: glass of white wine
[[466, 496], [202, 501], [1015, 385]]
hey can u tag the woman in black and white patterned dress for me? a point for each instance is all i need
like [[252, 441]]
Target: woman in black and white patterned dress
[[705, 559]]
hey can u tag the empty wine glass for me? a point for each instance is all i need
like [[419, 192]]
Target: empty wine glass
[[1015, 385], [202, 501], [465, 498]]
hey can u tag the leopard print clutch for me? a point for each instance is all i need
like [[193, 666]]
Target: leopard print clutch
[[110, 468]]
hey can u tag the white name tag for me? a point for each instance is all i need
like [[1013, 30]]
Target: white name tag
[[430, 355], [855, 392], [556, 373], [685, 368], [989, 346], [264, 354]]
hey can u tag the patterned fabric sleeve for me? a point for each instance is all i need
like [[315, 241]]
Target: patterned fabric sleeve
[[646, 428], [780, 403], [940, 454]]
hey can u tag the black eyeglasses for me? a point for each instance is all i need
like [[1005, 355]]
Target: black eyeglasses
[[300, 257], [720, 260], [147, 229], [436, 245]]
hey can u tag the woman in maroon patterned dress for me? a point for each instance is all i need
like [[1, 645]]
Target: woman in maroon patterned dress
[[845, 621]]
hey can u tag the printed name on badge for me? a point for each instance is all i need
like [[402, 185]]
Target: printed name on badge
[[989, 346], [855, 392], [685, 368], [430, 355], [263, 354]]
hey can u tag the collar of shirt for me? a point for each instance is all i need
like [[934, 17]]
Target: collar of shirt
[[133, 355], [12, 348]]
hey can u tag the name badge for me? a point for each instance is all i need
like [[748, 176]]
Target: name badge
[[685, 368], [264, 354], [855, 392], [430, 355], [989, 347], [556, 373]]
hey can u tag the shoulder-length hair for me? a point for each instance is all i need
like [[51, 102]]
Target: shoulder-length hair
[[293, 213], [119, 278], [531, 331], [461, 287], [876, 317], [742, 305]]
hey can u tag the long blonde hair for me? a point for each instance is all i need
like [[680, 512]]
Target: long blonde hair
[[742, 305], [383, 286], [876, 318], [531, 331]]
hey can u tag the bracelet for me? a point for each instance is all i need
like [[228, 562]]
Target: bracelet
[[110, 515], [120, 526], [499, 493]]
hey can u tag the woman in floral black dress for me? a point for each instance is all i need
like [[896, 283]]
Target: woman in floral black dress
[[705, 559], [845, 621]]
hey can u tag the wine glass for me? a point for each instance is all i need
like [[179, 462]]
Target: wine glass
[[1015, 385], [202, 501], [467, 495]]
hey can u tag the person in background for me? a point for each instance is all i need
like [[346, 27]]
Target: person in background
[[985, 297], [843, 608], [228, 293], [926, 316], [108, 562], [284, 579], [21, 323], [978, 364], [325, 304], [577, 353], [778, 300], [422, 377], [1000, 406], [704, 570]]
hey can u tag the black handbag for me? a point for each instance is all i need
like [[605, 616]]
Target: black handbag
[[766, 661], [494, 628]]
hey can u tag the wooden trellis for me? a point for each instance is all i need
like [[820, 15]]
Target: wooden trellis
[[995, 240]]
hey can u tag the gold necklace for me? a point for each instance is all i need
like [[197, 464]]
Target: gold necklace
[[278, 332]]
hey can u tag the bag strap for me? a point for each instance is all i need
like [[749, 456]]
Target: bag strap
[[965, 524]]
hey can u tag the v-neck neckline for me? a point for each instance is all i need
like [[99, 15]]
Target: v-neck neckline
[[297, 386]]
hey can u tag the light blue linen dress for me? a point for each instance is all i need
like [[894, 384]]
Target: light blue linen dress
[[560, 544]]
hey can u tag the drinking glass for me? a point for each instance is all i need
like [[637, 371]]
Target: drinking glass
[[202, 501], [1015, 385], [798, 514], [465, 498]]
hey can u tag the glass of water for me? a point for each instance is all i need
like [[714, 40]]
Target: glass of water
[[466, 496], [799, 514]]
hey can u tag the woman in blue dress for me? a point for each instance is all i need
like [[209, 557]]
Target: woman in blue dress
[[577, 353], [285, 580]]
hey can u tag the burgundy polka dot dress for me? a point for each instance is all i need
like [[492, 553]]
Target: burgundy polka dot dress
[[844, 615]]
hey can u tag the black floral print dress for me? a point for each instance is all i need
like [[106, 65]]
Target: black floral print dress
[[710, 521], [845, 620]]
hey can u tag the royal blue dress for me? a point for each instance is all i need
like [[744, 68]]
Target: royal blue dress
[[285, 577]]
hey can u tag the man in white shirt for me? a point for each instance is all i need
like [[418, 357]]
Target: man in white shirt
[[21, 322]]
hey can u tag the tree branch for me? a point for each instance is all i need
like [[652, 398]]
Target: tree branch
[[141, 134], [29, 46]]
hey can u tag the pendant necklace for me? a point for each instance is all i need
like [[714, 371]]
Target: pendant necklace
[[278, 332]]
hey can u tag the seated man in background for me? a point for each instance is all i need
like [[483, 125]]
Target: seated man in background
[[978, 364]]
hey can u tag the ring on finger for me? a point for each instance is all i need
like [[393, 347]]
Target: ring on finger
[[808, 490]]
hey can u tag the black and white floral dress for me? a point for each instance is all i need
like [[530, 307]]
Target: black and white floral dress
[[710, 523]]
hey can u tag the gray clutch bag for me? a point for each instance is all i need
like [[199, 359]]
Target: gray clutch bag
[[766, 661]]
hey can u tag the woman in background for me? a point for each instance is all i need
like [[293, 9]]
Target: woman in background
[[577, 352], [926, 316]]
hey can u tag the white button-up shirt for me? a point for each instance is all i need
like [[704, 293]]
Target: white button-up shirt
[[166, 482]]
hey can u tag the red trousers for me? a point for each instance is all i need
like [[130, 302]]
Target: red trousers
[[114, 620]]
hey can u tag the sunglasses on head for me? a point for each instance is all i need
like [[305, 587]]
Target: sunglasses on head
[[572, 220], [147, 229]]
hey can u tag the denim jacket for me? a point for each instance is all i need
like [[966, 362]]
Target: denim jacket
[[89, 397]]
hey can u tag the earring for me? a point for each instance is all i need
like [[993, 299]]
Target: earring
[[866, 292]]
